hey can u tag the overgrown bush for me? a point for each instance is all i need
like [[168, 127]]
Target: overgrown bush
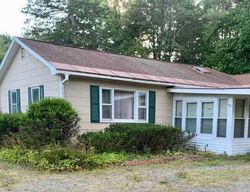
[[50, 121], [136, 138], [58, 158], [10, 124]]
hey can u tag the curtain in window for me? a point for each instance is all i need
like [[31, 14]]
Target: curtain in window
[[124, 104]]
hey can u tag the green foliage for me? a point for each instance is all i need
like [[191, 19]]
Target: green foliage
[[212, 33], [136, 138], [5, 41], [58, 158], [10, 124], [78, 23], [50, 121]]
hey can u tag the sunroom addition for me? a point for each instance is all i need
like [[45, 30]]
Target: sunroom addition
[[221, 124]]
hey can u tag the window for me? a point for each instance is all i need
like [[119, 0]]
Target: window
[[248, 135], [222, 118], [124, 104], [35, 93], [207, 117], [191, 117], [178, 114], [14, 101], [239, 122], [121, 105], [106, 104], [142, 106]]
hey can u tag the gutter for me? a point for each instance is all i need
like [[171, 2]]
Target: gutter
[[62, 89]]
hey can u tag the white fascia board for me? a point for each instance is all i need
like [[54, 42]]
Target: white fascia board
[[228, 91], [7, 53], [114, 78], [38, 57]]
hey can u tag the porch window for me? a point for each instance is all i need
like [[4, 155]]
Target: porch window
[[248, 135], [239, 122], [207, 117], [222, 118], [178, 114], [123, 105], [191, 117]]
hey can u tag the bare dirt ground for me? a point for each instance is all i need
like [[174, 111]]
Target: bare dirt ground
[[173, 176]]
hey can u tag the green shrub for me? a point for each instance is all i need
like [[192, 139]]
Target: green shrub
[[136, 138], [58, 158], [10, 124], [50, 121]]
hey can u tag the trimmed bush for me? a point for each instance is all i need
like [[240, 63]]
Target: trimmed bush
[[136, 138], [10, 124], [50, 121]]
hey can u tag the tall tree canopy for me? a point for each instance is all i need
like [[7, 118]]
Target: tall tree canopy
[[73, 22], [5, 41], [213, 33]]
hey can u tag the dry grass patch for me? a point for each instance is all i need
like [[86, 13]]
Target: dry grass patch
[[216, 178]]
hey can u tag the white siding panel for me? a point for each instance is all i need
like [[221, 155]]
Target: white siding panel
[[24, 73], [241, 146]]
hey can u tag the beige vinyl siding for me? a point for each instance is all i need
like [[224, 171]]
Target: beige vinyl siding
[[23, 73], [77, 91]]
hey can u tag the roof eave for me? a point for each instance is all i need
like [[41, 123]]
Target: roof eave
[[211, 91]]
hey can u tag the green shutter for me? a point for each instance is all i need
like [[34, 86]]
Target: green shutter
[[29, 96], [18, 101], [94, 104], [41, 92], [9, 100], [151, 114]]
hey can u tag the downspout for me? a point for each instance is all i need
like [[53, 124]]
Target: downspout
[[62, 90]]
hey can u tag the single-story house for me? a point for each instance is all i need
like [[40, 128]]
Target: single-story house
[[107, 88]]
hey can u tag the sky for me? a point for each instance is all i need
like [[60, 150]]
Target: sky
[[11, 18]]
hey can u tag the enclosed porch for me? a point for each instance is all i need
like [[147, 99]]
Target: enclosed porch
[[220, 122]]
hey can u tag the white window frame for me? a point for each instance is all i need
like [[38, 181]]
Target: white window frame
[[246, 117], [199, 100], [209, 118], [39, 93], [176, 116], [136, 106], [222, 118], [11, 102]]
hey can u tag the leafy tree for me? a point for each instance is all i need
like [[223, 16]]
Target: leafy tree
[[5, 41], [226, 45], [159, 24], [72, 22]]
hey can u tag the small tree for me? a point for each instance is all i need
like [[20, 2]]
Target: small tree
[[50, 121]]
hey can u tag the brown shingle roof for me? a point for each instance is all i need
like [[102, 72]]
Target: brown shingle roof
[[89, 61]]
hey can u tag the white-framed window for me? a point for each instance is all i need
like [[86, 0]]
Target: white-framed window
[[178, 114], [35, 93], [117, 105], [14, 101], [142, 106], [207, 112], [222, 118], [239, 121], [191, 117], [248, 134]]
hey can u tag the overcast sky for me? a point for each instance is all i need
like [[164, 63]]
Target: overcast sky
[[11, 18]]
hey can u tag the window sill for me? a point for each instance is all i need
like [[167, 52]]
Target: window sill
[[123, 121]]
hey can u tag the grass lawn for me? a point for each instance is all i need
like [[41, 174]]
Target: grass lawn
[[179, 172]]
